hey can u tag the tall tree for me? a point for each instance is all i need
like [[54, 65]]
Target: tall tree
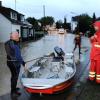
[[65, 23], [31, 20], [94, 18], [84, 22], [59, 24], [92, 30], [49, 20], [34, 22]]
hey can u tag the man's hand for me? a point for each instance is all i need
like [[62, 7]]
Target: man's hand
[[92, 37], [95, 36]]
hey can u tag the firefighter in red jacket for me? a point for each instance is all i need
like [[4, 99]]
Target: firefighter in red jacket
[[94, 73]]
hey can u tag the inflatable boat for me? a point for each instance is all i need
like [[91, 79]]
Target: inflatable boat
[[50, 74]]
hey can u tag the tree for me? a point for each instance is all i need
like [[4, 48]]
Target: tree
[[46, 20], [92, 30], [59, 24], [69, 26], [94, 18], [34, 22], [84, 22], [65, 24]]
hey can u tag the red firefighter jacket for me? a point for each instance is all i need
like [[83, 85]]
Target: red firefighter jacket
[[95, 41]]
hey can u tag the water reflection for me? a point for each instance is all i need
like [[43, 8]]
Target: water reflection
[[46, 45], [61, 41]]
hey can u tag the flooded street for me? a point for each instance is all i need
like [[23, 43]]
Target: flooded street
[[49, 50], [45, 46]]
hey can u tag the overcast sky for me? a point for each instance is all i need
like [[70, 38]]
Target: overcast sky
[[56, 8]]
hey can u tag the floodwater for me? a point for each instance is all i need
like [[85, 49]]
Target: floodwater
[[46, 45]]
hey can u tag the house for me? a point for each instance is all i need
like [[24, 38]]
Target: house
[[74, 25], [11, 20]]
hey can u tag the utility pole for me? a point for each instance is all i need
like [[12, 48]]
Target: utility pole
[[44, 19], [15, 5], [44, 10]]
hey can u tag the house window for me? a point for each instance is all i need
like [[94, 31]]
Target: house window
[[17, 30], [25, 33], [13, 15], [22, 18]]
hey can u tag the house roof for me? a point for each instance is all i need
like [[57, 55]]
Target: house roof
[[7, 11]]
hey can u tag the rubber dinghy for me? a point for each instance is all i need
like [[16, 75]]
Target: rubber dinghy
[[50, 74]]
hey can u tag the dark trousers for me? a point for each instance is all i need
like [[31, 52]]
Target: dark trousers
[[14, 75], [79, 46]]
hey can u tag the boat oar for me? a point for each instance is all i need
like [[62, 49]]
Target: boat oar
[[27, 60], [31, 59], [51, 54]]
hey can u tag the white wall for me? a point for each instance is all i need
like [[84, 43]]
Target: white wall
[[15, 27], [73, 25], [5, 28]]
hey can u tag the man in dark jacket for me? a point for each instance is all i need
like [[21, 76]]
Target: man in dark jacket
[[14, 60]]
